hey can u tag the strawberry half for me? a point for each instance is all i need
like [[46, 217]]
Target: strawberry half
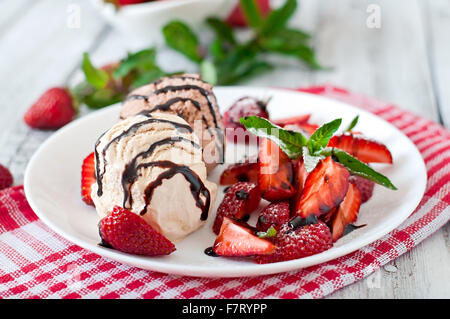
[[365, 150], [276, 173], [240, 201], [237, 240], [130, 233], [300, 178], [364, 186], [275, 214], [347, 213], [300, 119], [298, 242], [325, 188], [240, 172], [88, 178]]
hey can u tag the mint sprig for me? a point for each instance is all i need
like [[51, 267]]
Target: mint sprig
[[98, 78], [314, 149]]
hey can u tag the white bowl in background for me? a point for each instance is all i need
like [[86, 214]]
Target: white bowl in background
[[144, 21]]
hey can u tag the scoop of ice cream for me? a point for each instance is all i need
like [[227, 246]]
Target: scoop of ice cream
[[189, 97], [152, 165]]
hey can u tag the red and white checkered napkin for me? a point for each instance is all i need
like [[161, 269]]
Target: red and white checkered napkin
[[36, 262]]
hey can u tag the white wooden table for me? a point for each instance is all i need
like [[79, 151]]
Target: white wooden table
[[406, 61]]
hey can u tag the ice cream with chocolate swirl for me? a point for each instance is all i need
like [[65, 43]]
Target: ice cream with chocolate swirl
[[152, 164], [189, 97]]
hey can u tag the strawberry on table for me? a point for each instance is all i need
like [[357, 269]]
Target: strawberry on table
[[298, 242], [237, 240], [347, 213], [54, 109], [88, 178], [240, 172], [364, 186], [275, 214], [130, 233], [240, 200], [276, 172], [365, 150], [325, 188], [6, 178]]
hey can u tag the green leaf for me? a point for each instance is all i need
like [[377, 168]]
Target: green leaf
[[278, 18], [284, 40], [352, 124], [252, 13], [141, 60], [217, 50], [310, 161], [102, 97], [222, 30], [271, 232], [357, 167], [208, 72], [322, 136], [96, 77], [180, 37], [289, 141]]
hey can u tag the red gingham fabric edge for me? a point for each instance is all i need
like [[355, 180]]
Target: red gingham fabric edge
[[37, 263]]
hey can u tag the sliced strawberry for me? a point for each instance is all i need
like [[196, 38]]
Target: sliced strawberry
[[88, 178], [240, 172], [365, 150], [276, 173], [347, 213], [298, 242], [364, 186], [300, 119], [300, 178], [237, 240], [275, 214], [325, 188], [239, 201], [130, 233]]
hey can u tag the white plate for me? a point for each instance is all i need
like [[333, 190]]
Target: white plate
[[52, 186]]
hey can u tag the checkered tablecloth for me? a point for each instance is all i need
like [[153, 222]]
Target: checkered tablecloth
[[35, 262]]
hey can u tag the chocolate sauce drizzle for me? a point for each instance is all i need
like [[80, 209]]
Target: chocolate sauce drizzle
[[130, 131], [196, 185], [130, 173]]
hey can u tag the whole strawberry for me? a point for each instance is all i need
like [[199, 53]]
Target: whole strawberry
[[54, 109], [130, 233], [275, 214], [294, 243], [6, 179]]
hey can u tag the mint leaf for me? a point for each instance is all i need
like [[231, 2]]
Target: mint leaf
[[96, 77], [222, 30], [322, 136], [180, 37], [284, 40], [148, 77], [290, 142], [357, 167], [352, 124], [208, 72], [141, 60], [310, 161], [252, 13], [278, 18], [271, 232]]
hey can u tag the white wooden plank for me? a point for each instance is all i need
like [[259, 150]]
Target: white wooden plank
[[38, 53], [437, 17]]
